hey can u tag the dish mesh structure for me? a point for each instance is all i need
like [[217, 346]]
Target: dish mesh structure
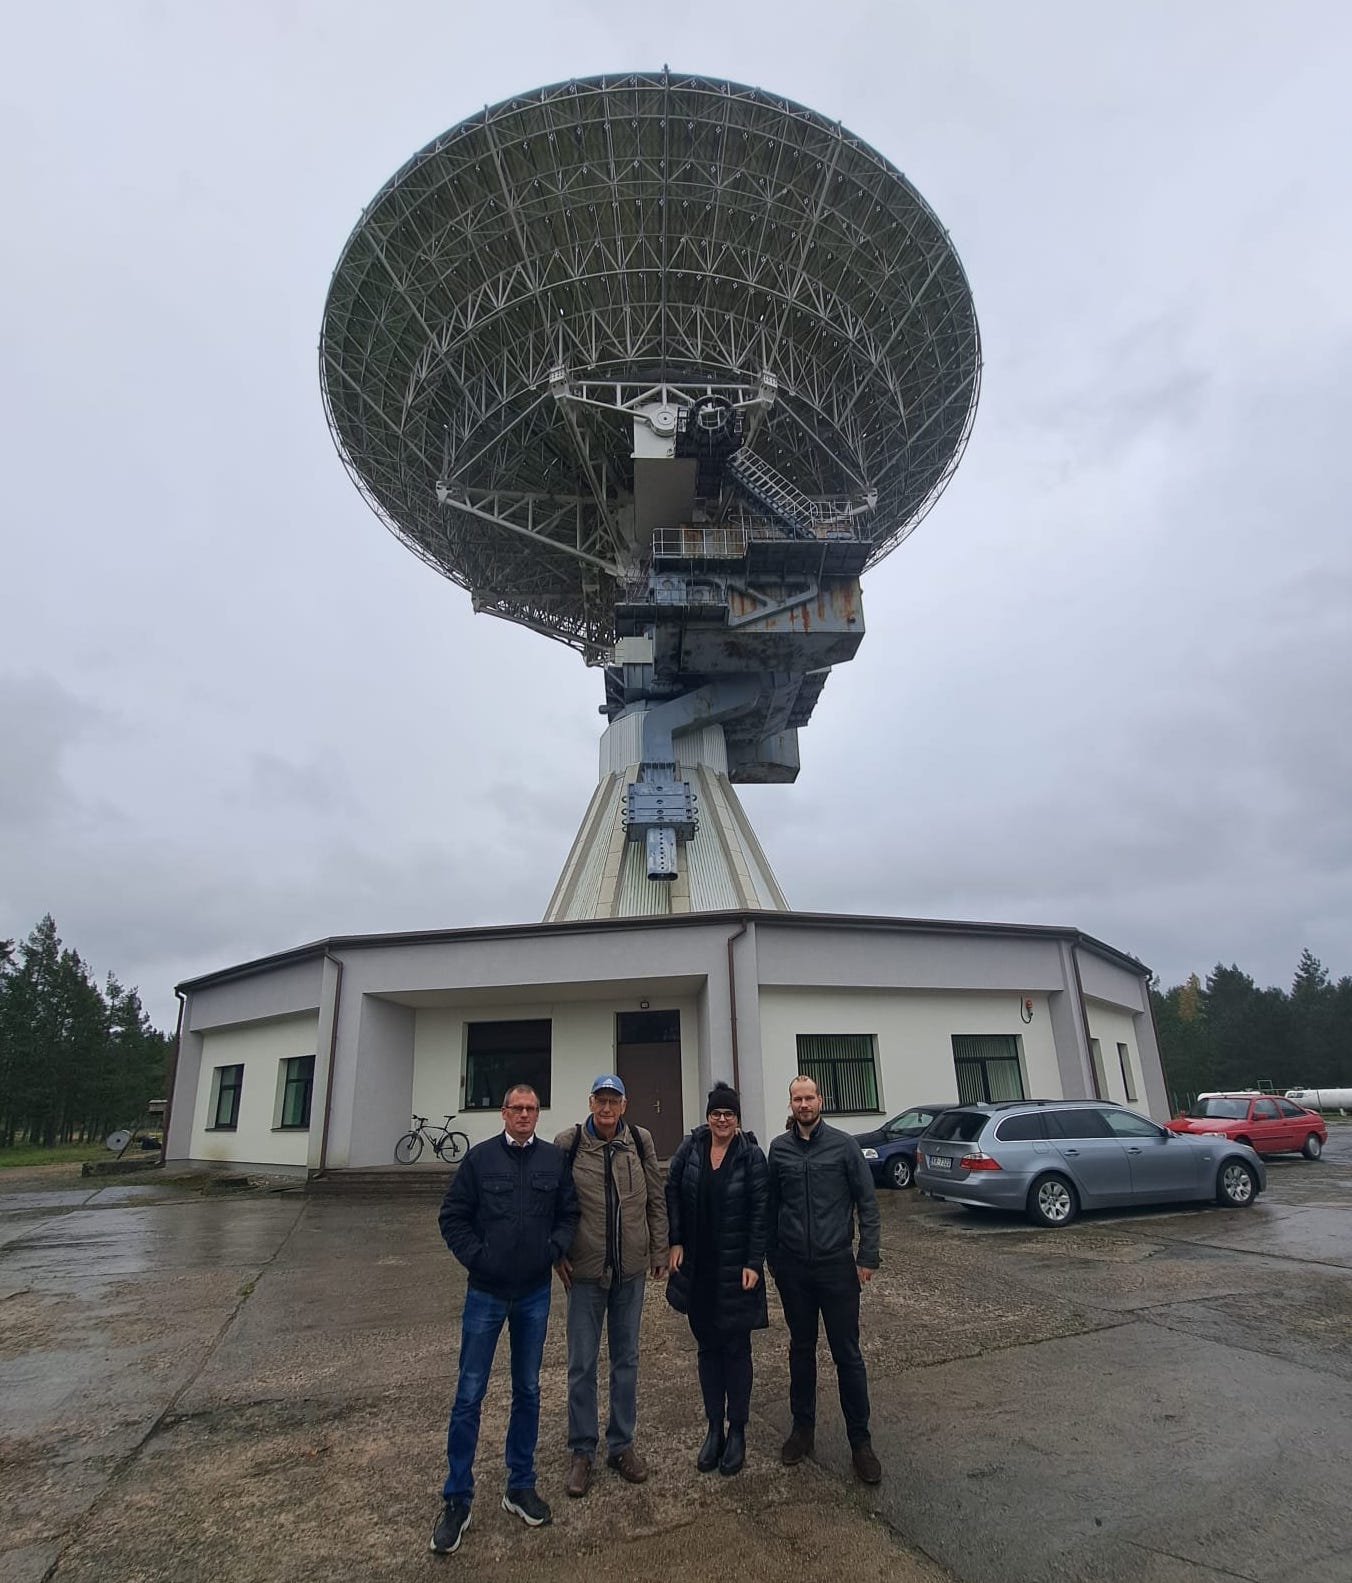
[[624, 232]]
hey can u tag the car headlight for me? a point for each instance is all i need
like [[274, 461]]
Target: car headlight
[[870, 1154]]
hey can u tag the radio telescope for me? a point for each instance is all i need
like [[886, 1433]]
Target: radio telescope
[[657, 365]]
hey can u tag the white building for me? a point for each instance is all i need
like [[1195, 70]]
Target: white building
[[315, 1059]]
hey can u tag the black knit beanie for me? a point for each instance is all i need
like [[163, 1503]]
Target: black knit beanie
[[722, 1097]]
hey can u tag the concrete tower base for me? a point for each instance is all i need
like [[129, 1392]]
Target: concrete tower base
[[721, 869]]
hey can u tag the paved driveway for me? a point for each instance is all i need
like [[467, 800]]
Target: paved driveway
[[1156, 1394], [255, 1386]]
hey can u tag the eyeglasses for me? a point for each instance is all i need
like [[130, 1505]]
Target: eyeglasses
[[722, 1115], [522, 1110]]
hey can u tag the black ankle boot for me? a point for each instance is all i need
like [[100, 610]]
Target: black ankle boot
[[711, 1451], [734, 1450]]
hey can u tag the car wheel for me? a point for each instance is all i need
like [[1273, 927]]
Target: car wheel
[[900, 1172], [1313, 1148], [1052, 1202], [1236, 1185]]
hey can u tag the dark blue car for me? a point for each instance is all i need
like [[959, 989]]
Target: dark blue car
[[890, 1149]]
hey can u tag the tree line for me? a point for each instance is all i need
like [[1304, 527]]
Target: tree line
[[77, 1060], [1228, 1033]]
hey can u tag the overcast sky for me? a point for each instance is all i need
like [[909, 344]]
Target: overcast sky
[[1105, 684]]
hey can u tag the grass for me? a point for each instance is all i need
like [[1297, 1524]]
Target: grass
[[58, 1154]]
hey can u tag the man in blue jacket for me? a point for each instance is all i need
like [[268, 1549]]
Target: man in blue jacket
[[508, 1216]]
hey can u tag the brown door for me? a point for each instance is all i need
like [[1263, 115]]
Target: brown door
[[648, 1061]]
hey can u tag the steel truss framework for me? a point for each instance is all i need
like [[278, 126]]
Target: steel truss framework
[[636, 228]]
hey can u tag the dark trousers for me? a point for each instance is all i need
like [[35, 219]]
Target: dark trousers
[[829, 1290], [724, 1370]]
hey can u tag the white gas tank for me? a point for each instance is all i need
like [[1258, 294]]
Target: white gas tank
[[1322, 1098]]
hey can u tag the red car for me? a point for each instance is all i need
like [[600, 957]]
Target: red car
[[1268, 1123]]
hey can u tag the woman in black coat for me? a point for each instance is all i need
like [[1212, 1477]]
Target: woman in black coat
[[718, 1188]]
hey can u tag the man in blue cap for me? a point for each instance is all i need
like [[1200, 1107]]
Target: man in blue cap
[[621, 1239]]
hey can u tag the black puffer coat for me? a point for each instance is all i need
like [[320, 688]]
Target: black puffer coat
[[744, 1202]]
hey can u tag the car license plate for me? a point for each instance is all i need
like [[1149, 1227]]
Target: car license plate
[[941, 1162]]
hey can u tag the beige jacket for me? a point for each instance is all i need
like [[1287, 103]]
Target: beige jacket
[[638, 1206]]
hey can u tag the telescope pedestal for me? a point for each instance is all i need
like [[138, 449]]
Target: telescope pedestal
[[721, 868]]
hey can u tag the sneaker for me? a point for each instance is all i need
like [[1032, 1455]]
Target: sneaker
[[798, 1445], [450, 1528], [528, 1507], [629, 1465], [579, 1474], [866, 1464]]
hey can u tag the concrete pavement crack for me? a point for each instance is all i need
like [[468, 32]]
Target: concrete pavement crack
[[1171, 1555], [166, 1413]]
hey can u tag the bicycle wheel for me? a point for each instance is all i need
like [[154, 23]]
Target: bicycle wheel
[[408, 1148], [454, 1146]]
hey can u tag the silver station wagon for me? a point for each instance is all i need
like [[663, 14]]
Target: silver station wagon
[[1051, 1158]]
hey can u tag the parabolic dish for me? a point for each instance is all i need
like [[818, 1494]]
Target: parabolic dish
[[639, 228]]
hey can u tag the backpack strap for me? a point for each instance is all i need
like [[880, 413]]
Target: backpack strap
[[577, 1144]]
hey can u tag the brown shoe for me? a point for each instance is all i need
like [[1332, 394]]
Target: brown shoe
[[866, 1464], [629, 1465], [797, 1446], [579, 1474]]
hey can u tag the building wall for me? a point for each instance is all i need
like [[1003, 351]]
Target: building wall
[[393, 1013], [1112, 1026], [269, 993], [582, 1040], [913, 1031], [260, 1047]]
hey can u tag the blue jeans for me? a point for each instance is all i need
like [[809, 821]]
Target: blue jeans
[[621, 1308], [527, 1319]]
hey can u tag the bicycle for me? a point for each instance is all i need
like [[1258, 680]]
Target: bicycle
[[448, 1146]]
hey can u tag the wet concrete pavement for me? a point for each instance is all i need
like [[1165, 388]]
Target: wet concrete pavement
[[255, 1385]]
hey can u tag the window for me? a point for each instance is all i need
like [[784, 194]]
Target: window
[[1127, 1124], [987, 1067], [227, 1082], [959, 1126], [1081, 1122], [648, 1027], [1100, 1076], [1265, 1110], [500, 1054], [1287, 1108], [845, 1068], [298, 1081], [1021, 1129], [1128, 1081]]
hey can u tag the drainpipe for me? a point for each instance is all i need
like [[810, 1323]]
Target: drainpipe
[[1084, 1022], [328, 1075], [732, 1007], [173, 1075]]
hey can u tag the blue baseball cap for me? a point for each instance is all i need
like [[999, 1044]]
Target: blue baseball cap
[[608, 1083]]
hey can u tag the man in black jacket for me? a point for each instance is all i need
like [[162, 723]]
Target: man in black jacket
[[508, 1216], [819, 1182]]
